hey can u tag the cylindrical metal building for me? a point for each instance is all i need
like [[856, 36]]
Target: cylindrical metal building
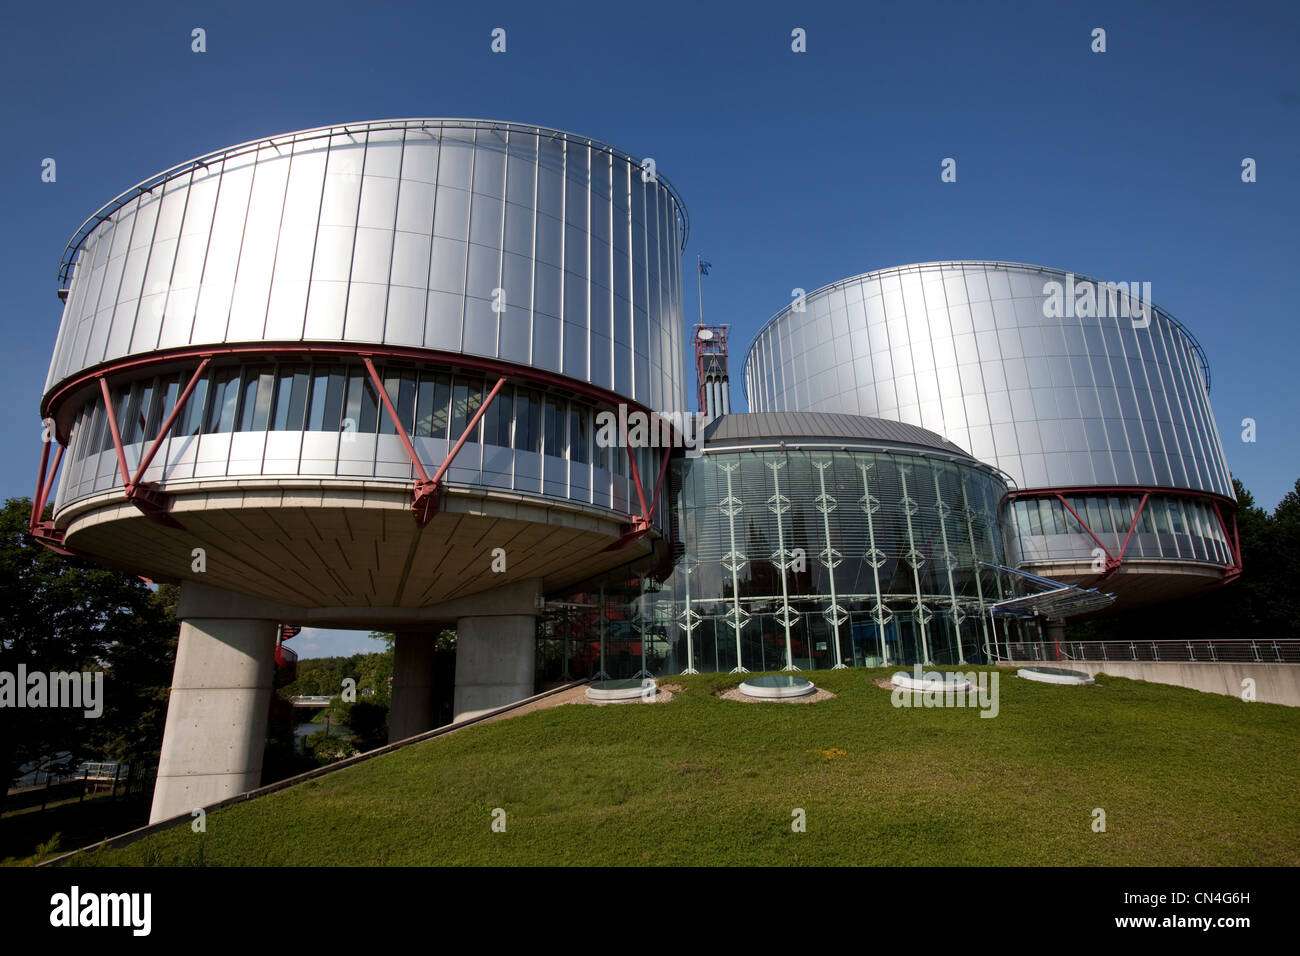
[[1090, 397], [271, 355]]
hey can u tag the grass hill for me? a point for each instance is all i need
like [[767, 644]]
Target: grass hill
[[1184, 778]]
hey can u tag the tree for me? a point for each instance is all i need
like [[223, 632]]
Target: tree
[[66, 614]]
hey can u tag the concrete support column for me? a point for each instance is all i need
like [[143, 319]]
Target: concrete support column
[[216, 715], [411, 712], [495, 662]]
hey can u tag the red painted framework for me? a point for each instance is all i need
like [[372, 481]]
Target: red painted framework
[[426, 493], [1114, 561]]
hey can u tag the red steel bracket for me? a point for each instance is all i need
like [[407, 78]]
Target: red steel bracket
[[41, 530], [640, 524], [152, 501], [1112, 562], [427, 494]]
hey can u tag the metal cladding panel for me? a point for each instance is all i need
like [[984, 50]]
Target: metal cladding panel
[[770, 427], [517, 243], [994, 358]]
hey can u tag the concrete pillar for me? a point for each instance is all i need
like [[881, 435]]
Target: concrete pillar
[[411, 712], [216, 715], [495, 662]]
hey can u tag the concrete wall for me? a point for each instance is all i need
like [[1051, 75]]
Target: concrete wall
[[1274, 683]]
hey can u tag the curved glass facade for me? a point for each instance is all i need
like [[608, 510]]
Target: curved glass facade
[[1061, 381], [326, 419], [1166, 527], [815, 555]]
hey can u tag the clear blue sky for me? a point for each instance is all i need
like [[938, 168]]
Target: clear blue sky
[[797, 169]]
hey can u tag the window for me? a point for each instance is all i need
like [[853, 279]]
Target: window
[[222, 401], [255, 402], [579, 427], [497, 419], [554, 427], [528, 430], [192, 418], [326, 403], [400, 385], [432, 397], [466, 397], [129, 412], [361, 406], [164, 402], [290, 398]]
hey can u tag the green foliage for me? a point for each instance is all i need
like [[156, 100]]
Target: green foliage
[[324, 747], [324, 676], [48, 848], [368, 722], [65, 614]]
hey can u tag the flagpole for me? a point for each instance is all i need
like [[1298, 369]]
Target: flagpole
[[699, 284]]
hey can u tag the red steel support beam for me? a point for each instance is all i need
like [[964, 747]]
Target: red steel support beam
[[1112, 562], [1133, 525], [663, 470], [111, 414], [1234, 545], [636, 479], [40, 483], [41, 530], [49, 484], [394, 417], [181, 401], [428, 491], [151, 502], [469, 430]]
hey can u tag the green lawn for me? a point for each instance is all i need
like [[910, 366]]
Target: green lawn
[[1185, 778]]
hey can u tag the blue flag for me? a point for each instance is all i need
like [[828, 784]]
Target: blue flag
[[705, 267]]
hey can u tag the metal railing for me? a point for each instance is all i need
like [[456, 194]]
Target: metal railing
[[1209, 651]]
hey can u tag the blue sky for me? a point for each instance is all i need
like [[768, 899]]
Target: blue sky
[[797, 169]]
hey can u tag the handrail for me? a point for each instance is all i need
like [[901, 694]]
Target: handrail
[[1281, 650]]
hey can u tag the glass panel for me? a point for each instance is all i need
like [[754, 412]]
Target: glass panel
[[192, 417], [290, 398], [326, 403], [362, 404], [223, 401], [431, 405], [255, 407], [497, 419], [400, 385], [578, 429], [164, 402], [466, 396], [554, 427], [528, 426]]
